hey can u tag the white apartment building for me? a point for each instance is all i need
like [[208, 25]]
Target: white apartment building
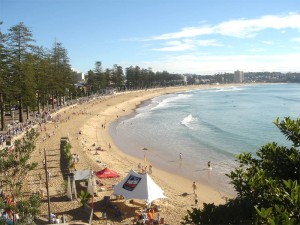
[[238, 76]]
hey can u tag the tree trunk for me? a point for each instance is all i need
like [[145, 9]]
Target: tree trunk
[[27, 112], [2, 111], [20, 110], [38, 103], [52, 100], [60, 103]]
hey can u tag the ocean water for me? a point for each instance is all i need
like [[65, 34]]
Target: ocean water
[[213, 124]]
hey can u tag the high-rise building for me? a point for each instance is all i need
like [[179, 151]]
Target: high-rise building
[[238, 76]]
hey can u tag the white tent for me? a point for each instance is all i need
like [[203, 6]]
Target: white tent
[[139, 186], [82, 175]]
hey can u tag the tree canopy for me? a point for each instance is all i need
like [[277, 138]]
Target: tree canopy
[[14, 167]]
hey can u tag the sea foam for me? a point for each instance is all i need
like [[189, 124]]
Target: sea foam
[[189, 121], [166, 103]]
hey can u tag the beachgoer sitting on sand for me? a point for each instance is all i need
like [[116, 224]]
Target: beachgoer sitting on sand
[[53, 218], [157, 219], [150, 215], [143, 218]]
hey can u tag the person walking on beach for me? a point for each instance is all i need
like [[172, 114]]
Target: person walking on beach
[[194, 186], [180, 155]]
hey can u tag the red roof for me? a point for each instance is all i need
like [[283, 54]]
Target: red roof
[[107, 173]]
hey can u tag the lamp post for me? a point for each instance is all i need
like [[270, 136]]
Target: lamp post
[[47, 188]]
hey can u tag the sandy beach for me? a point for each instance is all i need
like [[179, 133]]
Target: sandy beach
[[87, 126]]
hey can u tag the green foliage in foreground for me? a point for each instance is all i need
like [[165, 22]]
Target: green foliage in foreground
[[267, 186], [84, 197], [286, 212], [14, 167]]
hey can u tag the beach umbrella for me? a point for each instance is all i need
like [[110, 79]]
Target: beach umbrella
[[139, 186], [106, 173], [69, 191]]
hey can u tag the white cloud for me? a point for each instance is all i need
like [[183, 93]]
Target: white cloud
[[267, 42], [185, 33], [209, 42], [192, 40], [187, 44], [256, 50], [223, 63], [249, 28], [296, 39], [175, 48], [241, 28]]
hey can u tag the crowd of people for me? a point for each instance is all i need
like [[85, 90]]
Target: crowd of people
[[16, 128], [37, 121], [148, 216]]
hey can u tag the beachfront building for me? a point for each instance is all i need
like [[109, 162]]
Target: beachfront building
[[78, 76], [238, 76]]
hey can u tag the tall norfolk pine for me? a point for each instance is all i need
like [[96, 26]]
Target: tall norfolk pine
[[3, 75], [19, 41], [31, 75]]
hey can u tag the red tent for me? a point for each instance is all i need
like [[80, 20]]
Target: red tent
[[106, 173]]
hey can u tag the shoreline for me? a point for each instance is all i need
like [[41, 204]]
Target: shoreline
[[171, 163], [109, 139], [93, 119]]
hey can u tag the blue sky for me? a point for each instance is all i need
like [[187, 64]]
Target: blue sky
[[180, 36]]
